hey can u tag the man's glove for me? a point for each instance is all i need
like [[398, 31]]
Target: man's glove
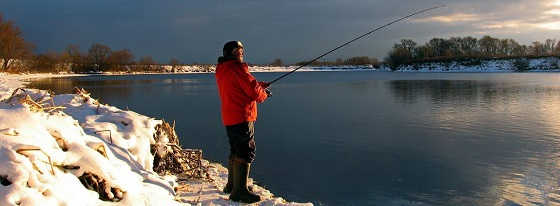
[[268, 93], [264, 84]]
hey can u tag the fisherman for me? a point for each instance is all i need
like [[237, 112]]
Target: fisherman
[[239, 94]]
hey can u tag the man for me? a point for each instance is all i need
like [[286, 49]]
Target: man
[[239, 94]]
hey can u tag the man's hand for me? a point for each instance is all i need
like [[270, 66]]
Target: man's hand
[[264, 84]]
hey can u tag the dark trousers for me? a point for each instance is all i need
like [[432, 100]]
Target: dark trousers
[[242, 141]]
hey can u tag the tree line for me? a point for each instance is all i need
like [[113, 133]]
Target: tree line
[[16, 56], [468, 49]]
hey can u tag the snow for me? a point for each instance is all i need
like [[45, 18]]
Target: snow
[[45, 148], [508, 65]]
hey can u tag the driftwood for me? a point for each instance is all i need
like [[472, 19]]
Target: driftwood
[[99, 185], [170, 158]]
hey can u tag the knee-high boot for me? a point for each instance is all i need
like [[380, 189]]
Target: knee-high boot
[[240, 193]]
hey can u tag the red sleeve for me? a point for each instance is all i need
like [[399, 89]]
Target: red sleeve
[[250, 86]]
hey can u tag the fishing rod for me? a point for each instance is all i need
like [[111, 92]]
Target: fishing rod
[[359, 37]]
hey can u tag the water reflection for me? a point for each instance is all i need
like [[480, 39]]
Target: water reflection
[[504, 118]]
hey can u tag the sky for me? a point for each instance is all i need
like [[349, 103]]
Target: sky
[[292, 30]]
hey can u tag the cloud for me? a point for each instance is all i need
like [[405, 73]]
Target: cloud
[[549, 25], [452, 18], [523, 15]]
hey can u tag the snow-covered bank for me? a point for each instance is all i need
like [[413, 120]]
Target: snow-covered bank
[[54, 147], [548, 64]]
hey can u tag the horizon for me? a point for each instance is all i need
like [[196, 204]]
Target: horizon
[[266, 28]]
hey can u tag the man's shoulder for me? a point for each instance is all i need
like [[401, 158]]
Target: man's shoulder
[[235, 63]]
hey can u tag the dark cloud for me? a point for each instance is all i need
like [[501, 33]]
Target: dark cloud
[[294, 30]]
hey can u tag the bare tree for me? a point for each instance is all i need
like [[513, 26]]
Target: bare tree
[[12, 45], [488, 45], [75, 58], [147, 62], [549, 46], [537, 49], [174, 64], [98, 54], [48, 62], [469, 46], [119, 58], [423, 52], [557, 49], [363, 60], [519, 50], [73, 55]]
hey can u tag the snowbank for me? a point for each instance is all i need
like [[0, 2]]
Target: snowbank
[[54, 147], [509, 65]]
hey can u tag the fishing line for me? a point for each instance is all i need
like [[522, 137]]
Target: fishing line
[[359, 37]]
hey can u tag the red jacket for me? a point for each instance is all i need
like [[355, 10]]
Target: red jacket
[[239, 92]]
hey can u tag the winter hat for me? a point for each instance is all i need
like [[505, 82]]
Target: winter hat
[[230, 47]]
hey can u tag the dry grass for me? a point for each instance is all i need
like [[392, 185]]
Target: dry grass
[[38, 105], [28, 148]]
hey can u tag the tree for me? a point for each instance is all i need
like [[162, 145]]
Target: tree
[[339, 61], [519, 50], [73, 55], [549, 46], [557, 49], [277, 63], [48, 62], [455, 49], [119, 58], [407, 44], [423, 52], [363, 60], [98, 54], [174, 64], [77, 59], [469, 46], [488, 46], [404, 49], [397, 57], [146, 62], [439, 46], [12, 45], [537, 49]]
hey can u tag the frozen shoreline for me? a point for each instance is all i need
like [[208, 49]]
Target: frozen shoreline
[[46, 151]]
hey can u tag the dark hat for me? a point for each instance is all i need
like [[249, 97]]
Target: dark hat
[[230, 47]]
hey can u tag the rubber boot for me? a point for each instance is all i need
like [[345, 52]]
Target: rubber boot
[[229, 185], [240, 193]]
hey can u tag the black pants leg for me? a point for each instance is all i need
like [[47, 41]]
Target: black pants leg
[[242, 141]]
